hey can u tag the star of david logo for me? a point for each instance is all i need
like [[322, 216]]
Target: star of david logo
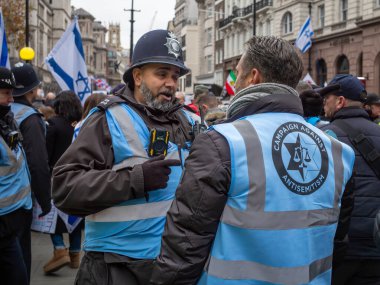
[[83, 86], [301, 157]]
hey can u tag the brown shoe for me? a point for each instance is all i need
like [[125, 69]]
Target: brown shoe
[[74, 259], [61, 258]]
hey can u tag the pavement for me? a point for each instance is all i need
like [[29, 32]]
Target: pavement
[[42, 251]]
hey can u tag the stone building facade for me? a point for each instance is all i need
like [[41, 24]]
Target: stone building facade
[[346, 35], [185, 27]]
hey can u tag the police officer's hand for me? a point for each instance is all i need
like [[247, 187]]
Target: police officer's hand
[[156, 172], [45, 211]]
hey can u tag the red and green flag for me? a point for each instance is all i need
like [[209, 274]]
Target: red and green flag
[[230, 83]]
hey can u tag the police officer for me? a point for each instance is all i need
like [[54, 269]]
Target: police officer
[[33, 130], [259, 199], [15, 195], [115, 173]]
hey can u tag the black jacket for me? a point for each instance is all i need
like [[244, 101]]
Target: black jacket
[[34, 144], [59, 136], [367, 185]]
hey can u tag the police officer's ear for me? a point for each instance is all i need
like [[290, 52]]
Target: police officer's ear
[[137, 76]]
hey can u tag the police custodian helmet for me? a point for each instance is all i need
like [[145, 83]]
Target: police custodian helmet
[[157, 46]]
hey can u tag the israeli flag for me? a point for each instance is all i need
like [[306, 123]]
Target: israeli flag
[[303, 41], [4, 58], [67, 63]]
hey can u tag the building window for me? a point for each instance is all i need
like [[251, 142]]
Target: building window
[[342, 65], [343, 9], [183, 41], [321, 15], [184, 55], [287, 23], [268, 31], [360, 65], [209, 10], [260, 29], [208, 36], [209, 63], [188, 80], [321, 72], [41, 43]]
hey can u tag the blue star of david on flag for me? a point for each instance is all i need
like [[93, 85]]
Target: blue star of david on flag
[[67, 63], [83, 87], [303, 41]]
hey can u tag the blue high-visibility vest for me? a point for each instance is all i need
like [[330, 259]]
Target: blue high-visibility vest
[[132, 228], [14, 179], [279, 222], [22, 112]]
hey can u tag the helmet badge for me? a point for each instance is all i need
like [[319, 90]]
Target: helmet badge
[[173, 45]]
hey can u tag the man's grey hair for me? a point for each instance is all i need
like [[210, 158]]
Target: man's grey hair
[[275, 58]]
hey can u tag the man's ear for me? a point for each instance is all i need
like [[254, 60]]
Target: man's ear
[[255, 77], [137, 76], [341, 102]]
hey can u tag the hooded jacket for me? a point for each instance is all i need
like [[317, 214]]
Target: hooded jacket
[[83, 180]]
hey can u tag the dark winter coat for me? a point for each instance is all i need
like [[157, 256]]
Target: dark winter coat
[[367, 185]]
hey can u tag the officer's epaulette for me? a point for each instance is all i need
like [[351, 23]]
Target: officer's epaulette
[[109, 101]]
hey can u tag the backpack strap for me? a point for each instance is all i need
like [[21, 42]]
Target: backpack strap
[[362, 144]]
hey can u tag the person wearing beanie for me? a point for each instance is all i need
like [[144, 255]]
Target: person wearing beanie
[[125, 179], [15, 194], [312, 104], [350, 123], [33, 130], [199, 91], [372, 105]]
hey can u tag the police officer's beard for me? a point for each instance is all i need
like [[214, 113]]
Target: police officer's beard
[[154, 102]]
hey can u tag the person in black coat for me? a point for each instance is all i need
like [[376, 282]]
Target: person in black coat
[[343, 99], [59, 136]]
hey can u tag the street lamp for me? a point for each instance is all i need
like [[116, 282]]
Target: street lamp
[[27, 53], [27, 23], [254, 17], [131, 39]]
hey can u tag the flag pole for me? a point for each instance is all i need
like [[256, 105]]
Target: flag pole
[[309, 67]]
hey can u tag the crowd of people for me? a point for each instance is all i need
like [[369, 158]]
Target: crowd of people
[[282, 187]]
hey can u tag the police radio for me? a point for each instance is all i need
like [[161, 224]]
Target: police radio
[[158, 143], [11, 137]]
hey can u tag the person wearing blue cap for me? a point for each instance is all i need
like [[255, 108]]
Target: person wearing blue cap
[[351, 124], [15, 194], [122, 170]]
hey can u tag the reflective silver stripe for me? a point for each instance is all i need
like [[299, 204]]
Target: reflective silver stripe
[[129, 162], [254, 217], [131, 212], [10, 200], [15, 163], [279, 220], [21, 113], [127, 127], [249, 270], [256, 170], [338, 169]]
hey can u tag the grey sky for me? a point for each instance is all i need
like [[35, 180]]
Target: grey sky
[[112, 11]]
